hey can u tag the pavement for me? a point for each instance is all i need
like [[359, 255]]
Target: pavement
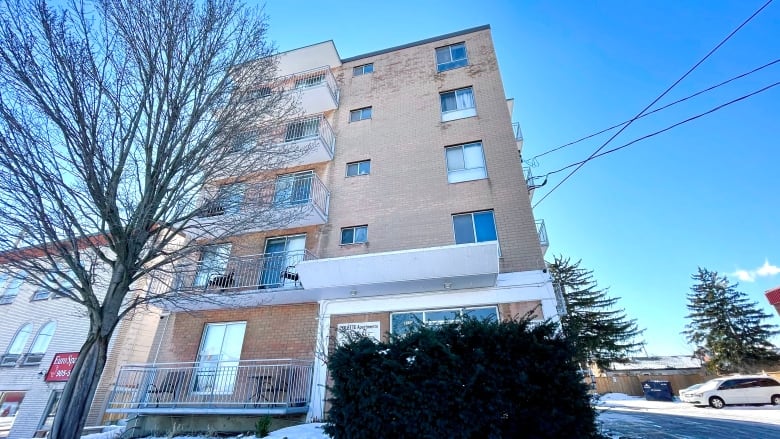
[[635, 425]]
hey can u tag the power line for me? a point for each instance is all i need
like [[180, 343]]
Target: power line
[[769, 64], [695, 66], [665, 129]]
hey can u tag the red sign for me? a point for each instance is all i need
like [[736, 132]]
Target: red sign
[[61, 366]]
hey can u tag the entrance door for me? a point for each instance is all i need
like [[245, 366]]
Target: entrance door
[[218, 357], [281, 254]]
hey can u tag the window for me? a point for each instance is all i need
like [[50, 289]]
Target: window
[[213, 262], [474, 227], [403, 322], [218, 357], [293, 189], [302, 129], [451, 57], [358, 168], [281, 256], [44, 292], [40, 344], [360, 114], [227, 202], [457, 104], [767, 382], [242, 142], [12, 287], [354, 235], [363, 70], [51, 409], [17, 345], [251, 94], [465, 162]]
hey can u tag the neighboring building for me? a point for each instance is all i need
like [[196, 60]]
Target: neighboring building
[[417, 210], [664, 365], [41, 334], [773, 296]]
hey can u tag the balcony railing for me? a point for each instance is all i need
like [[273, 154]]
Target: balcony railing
[[301, 188], [239, 273], [308, 83], [214, 386], [308, 129], [518, 131], [299, 199], [542, 231]]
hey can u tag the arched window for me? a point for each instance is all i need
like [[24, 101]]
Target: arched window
[[17, 345], [40, 344]]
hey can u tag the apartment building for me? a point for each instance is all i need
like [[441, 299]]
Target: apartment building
[[415, 209], [41, 334]]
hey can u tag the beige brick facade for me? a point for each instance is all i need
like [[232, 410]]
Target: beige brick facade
[[406, 200], [285, 331]]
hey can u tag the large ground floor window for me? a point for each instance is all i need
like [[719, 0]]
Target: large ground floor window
[[403, 322]]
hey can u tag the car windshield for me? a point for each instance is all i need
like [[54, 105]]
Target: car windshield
[[694, 387], [710, 385]]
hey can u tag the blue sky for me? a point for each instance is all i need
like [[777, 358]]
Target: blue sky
[[643, 218]]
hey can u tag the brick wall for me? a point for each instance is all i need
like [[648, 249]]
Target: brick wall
[[406, 200], [280, 331]]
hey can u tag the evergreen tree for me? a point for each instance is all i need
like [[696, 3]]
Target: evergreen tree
[[725, 324], [598, 331]]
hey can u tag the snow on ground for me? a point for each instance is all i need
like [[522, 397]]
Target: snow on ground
[[766, 414], [623, 403], [304, 431]]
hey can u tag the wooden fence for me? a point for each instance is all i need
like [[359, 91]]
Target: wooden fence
[[632, 384]]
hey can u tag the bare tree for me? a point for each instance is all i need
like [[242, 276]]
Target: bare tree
[[125, 126]]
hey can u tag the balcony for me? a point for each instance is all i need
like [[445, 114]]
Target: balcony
[[542, 231], [312, 135], [317, 87], [292, 200], [213, 387], [448, 267], [237, 274], [518, 135], [529, 181]]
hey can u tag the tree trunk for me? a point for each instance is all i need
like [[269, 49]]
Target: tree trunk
[[79, 390]]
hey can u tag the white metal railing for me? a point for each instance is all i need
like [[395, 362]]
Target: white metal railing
[[289, 190], [320, 76], [529, 177], [268, 270], [307, 129], [213, 385], [542, 231], [517, 130], [296, 189]]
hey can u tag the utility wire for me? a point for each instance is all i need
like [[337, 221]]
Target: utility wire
[[769, 64], [665, 129], [695, 66]]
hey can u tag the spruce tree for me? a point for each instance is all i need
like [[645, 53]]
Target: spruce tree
[[599, 332], [726, 325]]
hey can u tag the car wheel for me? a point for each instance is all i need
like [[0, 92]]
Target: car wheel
[[775, 399], [716, 402]]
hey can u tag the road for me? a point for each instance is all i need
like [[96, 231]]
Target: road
[[636, 425]]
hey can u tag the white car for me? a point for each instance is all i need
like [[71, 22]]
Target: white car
[[686, 393], [738, 389]]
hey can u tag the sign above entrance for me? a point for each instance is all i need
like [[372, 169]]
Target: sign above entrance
[[61, 366], [365, 329]]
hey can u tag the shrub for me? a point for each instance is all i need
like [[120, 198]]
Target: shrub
[[470, 379], [262, 426]]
